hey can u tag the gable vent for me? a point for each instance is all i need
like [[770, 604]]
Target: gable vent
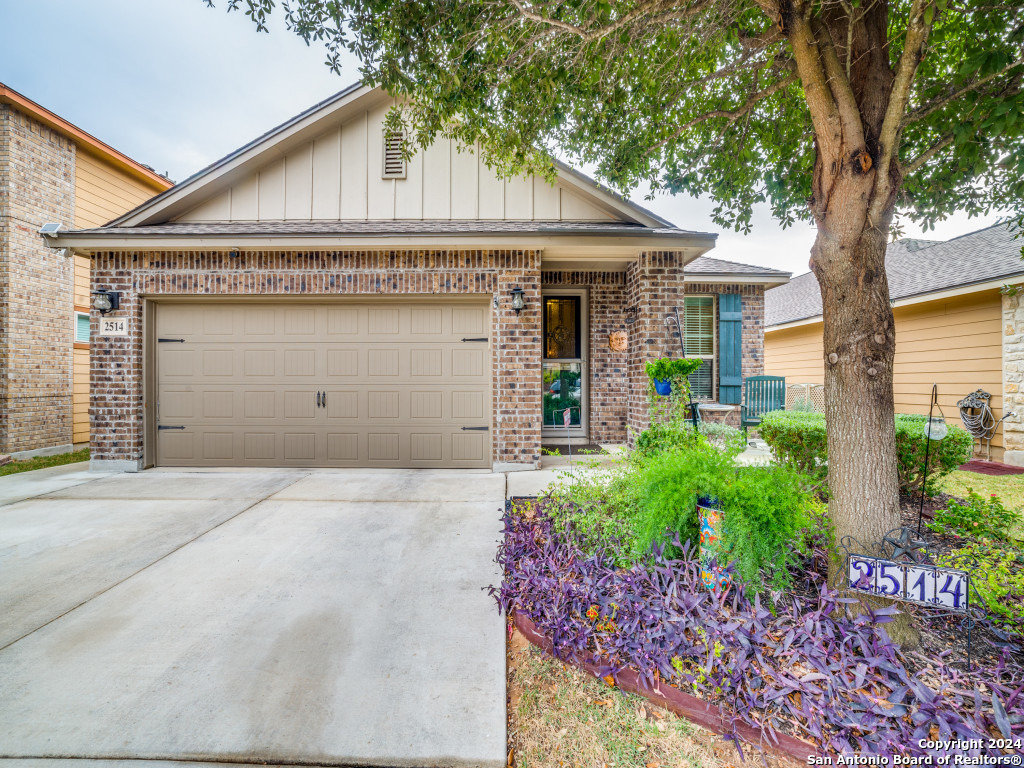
[[394, 163]]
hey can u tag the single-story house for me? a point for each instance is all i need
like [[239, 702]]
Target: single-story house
[[955, 327], [51, 171], [317, 299]]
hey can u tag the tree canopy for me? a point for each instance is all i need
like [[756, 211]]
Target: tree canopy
[[696, 96]]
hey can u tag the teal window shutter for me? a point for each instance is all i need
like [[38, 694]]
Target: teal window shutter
[[82, 327], [730, 348]]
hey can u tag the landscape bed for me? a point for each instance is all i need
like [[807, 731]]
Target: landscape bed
[[773, 665]]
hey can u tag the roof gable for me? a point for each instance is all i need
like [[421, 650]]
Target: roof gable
[[326, 165]]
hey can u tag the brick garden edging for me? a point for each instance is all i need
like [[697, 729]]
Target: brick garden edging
[[681, 703]]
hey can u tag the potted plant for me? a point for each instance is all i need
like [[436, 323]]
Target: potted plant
[[664, 371]]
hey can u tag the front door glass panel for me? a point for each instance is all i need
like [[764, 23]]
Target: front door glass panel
[[563, 372]]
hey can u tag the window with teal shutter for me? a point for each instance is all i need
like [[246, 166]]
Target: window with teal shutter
[[82, 327], [730, 348]]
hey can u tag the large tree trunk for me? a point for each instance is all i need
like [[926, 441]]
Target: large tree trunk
[[859, 343], [850, 89], [859, 347]]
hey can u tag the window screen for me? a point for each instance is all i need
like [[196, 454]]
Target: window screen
[[699, 327], [82, 327]]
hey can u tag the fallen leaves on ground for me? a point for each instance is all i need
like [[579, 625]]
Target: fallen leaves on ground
[[560, 716]]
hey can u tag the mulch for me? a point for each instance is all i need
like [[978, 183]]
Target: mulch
[[991, 468]]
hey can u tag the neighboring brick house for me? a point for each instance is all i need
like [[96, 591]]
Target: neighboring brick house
[[313, 299], [50, 171], [955, 327]]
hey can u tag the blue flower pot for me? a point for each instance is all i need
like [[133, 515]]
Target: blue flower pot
[[663, 387]]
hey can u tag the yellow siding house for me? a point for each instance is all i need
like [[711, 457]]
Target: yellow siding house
[[955, 327]]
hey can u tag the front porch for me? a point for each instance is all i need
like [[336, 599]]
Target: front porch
[[599, 329]]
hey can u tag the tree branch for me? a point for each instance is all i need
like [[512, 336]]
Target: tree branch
[[820, 100], [928, 154], [899, 97], [839, 84], [650, 8], [938, 103], [731, 115]]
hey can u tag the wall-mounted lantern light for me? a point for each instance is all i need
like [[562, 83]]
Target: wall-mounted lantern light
[[106, 301], [517, 299]]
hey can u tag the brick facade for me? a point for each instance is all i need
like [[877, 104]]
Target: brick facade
[[117, 375], [37, 174], [654, 286]]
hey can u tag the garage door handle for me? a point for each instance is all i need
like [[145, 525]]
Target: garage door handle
[[475, 429], [317, 399], [482, 338], [162, 426], [323, 399]]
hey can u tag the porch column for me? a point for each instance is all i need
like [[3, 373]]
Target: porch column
[[654, 285], [517, 364]]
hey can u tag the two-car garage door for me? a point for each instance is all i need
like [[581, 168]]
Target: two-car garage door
[[367, 384]]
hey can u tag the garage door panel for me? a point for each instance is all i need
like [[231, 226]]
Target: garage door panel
[[426, 321], [399, 385], [469, 321]]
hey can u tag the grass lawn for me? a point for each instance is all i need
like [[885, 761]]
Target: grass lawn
[[561, 717], [1009, 489], [42, 462]]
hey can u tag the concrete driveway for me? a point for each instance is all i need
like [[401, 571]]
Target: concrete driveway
[[328, 618]]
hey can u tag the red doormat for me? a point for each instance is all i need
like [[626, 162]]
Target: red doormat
[[991, 468]]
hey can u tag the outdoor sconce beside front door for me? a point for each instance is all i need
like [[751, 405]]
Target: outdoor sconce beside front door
[[106, 301], [517, 299]]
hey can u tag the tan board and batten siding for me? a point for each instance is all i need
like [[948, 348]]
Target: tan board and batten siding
[[441, 182], [347, 384], [102, 192], [955, 343]]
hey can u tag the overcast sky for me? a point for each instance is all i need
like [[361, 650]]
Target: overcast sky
[[176, 85]]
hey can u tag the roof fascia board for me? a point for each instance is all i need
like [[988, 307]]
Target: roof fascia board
[[745, 279], [570, 242], [222, 173], [607, 199], [921, 298], [85, 140]]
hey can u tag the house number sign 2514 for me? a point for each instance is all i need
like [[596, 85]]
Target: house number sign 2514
[[916, 583], [113, 326]]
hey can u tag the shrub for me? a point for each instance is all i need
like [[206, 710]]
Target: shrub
[[724, 437], [660, 437], [998, 575], [680, 435], [799, 439], [766, 511], [943, 457], [669, 485], [977, 517]]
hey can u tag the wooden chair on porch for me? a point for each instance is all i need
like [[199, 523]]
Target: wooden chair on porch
[[761, 394]]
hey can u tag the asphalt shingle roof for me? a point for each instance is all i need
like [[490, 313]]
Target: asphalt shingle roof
[[914, 268], [387, 227], [706, 265]]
